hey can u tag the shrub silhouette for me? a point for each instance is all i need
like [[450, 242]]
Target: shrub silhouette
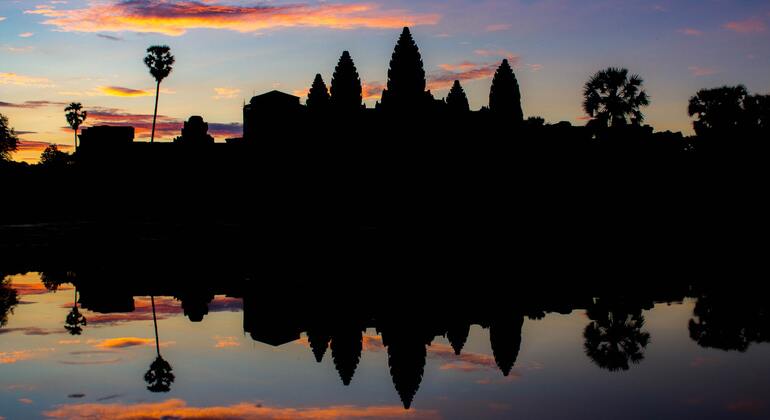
[[52, 157], [346, 86], [160, 61], [75, 117], [611, 97], [406, 77], [318, 96], [9, 141], [505, 96], [456, 100]]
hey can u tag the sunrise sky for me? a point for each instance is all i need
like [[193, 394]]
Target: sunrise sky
[[59, 51]]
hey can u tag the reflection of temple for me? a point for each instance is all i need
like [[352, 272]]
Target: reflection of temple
[[614, 337]]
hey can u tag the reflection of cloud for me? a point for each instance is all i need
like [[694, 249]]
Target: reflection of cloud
[[92, 357], [749, 26], [123, 342], [11, 357], [225, 304], [176, 408], [176, 18], [25, 401], [31, 331], [747, 406], [225, 342]]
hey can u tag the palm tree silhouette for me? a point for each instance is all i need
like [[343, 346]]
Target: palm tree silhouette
[[614, 338], [75, 320], [75, 117], [160, 376], [611, 96], [159, 60]]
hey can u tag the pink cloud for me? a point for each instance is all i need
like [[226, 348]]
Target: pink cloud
[[702, 71], [176, 18], [690, 32], [498, 27], [749, 26]]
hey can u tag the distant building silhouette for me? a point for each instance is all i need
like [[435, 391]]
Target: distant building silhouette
[[263, 114], [346, 86], [195, 132], [318, 97], [505, 96], [406, 78], [457, 100]]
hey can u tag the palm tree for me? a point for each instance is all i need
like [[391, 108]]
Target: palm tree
[[611, 97], [75, 117], [159, 60], [159, 377]]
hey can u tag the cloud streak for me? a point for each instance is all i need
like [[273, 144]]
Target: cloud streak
[[176, 18], [177, 408], [22, 80], [124, 92], [749, 26]]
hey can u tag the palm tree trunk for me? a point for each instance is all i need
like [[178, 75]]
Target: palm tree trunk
[[155, 321], [155, 114], [76, 140]]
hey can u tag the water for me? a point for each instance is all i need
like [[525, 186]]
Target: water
[[664, 367]]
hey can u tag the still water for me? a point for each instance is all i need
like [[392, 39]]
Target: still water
[[673, 354]]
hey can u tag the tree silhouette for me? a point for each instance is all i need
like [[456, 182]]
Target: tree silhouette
[[52, 157], [406, 76], [730, 321], [758, 112], [505, 96], [611, 97], [9, 298], [75, 116], [160, 376], [614, 338], [9, 141], [75, 320], [718, 111], [318, 97], [160, 61], [346, 86], [456, 100]]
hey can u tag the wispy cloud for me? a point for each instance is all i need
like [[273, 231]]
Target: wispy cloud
[[110, 37], [226, 342], [749, 26], [252, 410], [12, 49], [698, 71], [226, 93], [498, 27], [22, 80], [26, 34], [2, 18], [30, 104], [124, 92], [690, 32], [176, 18]]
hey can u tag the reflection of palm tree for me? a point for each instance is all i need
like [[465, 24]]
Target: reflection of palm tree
[[160, 376], [9, 298], [75, 320], [614, 338]]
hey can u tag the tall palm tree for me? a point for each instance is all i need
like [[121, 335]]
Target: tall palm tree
[[159, 377], [159, 60], [75, 117], [611, 97]]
